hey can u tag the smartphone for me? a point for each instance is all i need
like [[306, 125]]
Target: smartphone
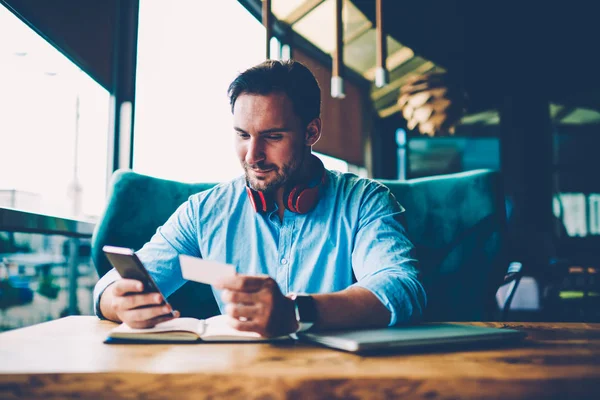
[[129, 266]]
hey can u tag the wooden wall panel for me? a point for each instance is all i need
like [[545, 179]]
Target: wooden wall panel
[[344, 128]]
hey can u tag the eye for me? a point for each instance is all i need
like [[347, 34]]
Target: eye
[[274, 137], [242, 135]]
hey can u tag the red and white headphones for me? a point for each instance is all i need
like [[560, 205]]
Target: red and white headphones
[[297, 197]]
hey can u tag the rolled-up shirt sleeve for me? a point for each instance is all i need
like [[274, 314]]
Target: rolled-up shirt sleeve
[[160, 255], [383, 256]]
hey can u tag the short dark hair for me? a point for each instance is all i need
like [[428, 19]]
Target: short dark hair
[[290, 77]]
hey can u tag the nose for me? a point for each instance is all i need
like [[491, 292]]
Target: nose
[[255, 152]]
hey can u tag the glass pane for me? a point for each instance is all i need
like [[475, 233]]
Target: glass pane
[[443, 155], [187, 57], [282, 8], [37, 282], [582, 116], [594, 217], [571, 209], [360, 54], [332, 162], [354, 20], [319, 25], [53, 128]]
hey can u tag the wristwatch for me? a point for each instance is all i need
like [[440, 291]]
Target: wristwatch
[[306, 310]]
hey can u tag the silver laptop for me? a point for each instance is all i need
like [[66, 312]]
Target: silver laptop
[[411, 337]]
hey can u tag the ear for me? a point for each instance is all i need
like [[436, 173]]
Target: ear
[[313, 132]]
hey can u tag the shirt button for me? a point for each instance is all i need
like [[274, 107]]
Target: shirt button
[[284, 261]]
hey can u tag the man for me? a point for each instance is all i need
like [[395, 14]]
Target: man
[[288, 225]]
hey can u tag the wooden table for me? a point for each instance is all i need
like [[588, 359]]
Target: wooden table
[[66, 358]]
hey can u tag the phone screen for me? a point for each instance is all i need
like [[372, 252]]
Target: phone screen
[[129, 266]]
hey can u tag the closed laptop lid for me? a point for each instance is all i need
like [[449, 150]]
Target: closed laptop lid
[[409, 337]]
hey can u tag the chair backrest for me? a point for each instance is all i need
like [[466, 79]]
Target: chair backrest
[[455, 221], [137, 205]]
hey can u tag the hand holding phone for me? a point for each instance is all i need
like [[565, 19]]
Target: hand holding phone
[[135, 299]]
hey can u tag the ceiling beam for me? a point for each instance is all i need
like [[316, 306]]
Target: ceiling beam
[[301, 11], [388, 111], [562, 113], [393, 61], [386, 102], [396, 84], [364, 28]]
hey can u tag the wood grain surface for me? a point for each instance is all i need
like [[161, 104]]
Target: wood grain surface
[[66, 359]]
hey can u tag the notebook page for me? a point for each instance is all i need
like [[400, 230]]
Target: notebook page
[[177, 324], [218, 328]]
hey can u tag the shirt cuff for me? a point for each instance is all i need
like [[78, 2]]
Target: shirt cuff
[[108, 279], [393, 293]]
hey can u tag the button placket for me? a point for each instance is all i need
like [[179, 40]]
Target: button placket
[[282, 253]]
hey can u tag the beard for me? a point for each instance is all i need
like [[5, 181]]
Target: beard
[[275, 179]]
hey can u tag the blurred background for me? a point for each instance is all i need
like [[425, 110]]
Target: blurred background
[[410, 89]]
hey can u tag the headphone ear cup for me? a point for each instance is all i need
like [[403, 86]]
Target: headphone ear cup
[[302, 198], [286, 194], [306, 199], [292, 197]]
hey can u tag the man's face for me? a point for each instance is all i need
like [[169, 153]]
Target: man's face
[[270, 139]]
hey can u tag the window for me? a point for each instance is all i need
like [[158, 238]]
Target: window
[[333, 163], [580, 213], [187, 57], [53, 128], [577, 198], [36, 283], [444, 155]]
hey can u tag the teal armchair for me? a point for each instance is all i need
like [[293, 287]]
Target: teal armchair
[[455, 221]]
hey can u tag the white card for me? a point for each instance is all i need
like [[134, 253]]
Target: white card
[[205, 271]]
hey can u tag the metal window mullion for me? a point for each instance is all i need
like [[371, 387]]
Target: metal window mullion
[[120, 146]]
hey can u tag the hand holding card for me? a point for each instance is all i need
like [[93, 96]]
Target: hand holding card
[[204, 271]]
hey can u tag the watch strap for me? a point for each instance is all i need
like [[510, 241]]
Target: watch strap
[[305, 311]]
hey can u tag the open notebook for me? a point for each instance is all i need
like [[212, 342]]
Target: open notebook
[[214, 329]]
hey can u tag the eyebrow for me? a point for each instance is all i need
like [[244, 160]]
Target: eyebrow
[[266, 131]]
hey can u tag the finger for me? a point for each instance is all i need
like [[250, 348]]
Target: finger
[[139, 300], [145, 314], [124, 286], [245, 283], [247, 312], [230, 296], [154, 321]]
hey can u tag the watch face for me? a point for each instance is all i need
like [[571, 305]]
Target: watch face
[[305, 306]]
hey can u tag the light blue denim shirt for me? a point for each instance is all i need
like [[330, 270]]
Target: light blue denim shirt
[[352, 237]]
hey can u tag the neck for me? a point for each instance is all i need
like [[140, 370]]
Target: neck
[[303, 174]]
